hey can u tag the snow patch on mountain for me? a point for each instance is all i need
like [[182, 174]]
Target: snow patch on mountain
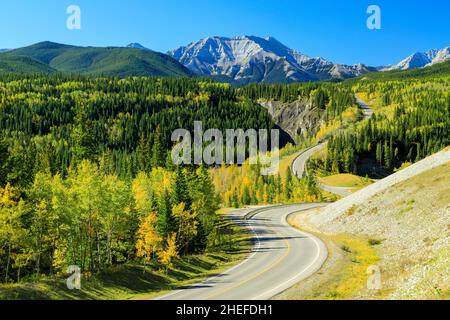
[[422, 59], [249, 59], [441, 56]]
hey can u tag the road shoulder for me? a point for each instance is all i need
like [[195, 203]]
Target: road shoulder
[[344, 273]]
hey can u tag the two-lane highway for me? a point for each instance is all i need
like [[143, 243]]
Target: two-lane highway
[[282, 256], [299, 164]]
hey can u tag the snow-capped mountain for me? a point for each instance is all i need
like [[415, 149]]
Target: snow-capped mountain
[[421, 60], [248, 59], [441, 56]]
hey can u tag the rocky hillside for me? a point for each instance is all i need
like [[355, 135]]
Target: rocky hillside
[[249, 59], [406, 217], [297, 118]]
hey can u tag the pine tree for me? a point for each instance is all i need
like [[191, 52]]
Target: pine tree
[[180, 189], [379, 153], [246, 197], [166, 223], [158, 149], [144, 154], [288, 185]]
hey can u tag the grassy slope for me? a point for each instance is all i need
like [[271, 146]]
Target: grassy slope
[[286, 163], [345, 180], [130, 282], [343, 274], [101, 61]]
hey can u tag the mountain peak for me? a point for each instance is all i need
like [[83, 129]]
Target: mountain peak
[[248, 59], [272, 40], [50, 45], [135, 45], [422, 59]]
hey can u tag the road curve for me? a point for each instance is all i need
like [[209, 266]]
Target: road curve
[[281, 257], [299, 164]]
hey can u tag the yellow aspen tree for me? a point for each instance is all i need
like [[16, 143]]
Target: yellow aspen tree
[[188, 225], [266, 195], [170, 252], [148, 239]]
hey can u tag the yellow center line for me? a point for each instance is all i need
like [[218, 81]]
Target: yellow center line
[[257, 274]]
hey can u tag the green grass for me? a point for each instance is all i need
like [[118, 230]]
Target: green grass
[[286, 164], [131, 282], [345, 181], [353, 274]]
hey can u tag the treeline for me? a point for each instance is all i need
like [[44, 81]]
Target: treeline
[[94, 220], [412, 121], [51, 123], [86, 178], [244, 185], [85, 173]]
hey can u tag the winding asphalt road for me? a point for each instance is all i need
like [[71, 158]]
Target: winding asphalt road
[[299, 167], [281, 257], [299, 164]]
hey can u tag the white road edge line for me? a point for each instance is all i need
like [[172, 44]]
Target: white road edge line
[[254, 252], [287, 284]]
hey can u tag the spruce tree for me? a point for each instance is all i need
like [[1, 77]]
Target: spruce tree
[[158, 149], [166, 223], [180, 189]]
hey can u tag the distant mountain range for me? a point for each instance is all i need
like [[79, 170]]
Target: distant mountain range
[[238, 60], [421, 60], [48, 57], [250, 59]]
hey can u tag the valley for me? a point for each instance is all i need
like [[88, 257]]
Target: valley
[[87, 178]]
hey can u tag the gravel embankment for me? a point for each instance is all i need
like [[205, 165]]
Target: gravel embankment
[[338, 208], [409, 214]]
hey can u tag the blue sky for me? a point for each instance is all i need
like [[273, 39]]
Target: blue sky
[[335, 30]]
